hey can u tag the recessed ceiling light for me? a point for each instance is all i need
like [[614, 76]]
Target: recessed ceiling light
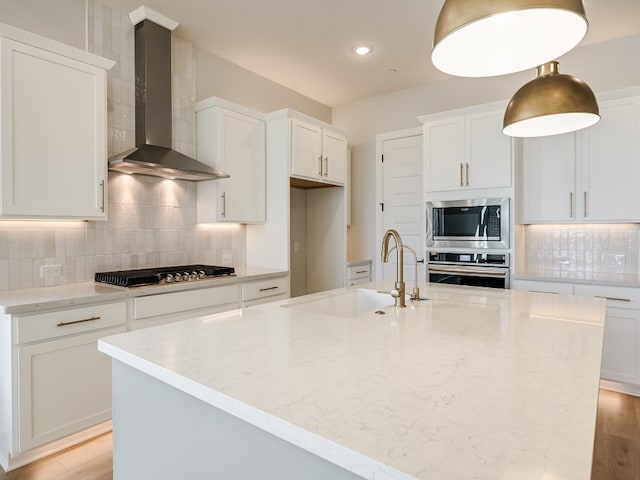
[[362, 49]]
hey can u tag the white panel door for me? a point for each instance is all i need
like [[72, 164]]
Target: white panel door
[[488, 151], [306, 159], [610, 154], [404, 208], [548, 178], [444, 155], [54, 148]]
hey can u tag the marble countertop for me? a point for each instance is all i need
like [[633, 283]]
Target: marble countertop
[[75, 294], [588, 278], [473, 383]]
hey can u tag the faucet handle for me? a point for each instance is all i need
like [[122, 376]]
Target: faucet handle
[[394, 293]]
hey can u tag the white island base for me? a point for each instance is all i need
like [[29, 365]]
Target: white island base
[[161, 432]]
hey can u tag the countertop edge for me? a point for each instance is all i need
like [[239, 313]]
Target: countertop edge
[[45, 298], [326, 449]]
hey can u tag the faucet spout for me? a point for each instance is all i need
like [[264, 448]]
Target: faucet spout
[[399, 291]]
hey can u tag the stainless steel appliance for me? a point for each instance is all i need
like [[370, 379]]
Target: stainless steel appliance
[[153, 154], [162, 275], [472, 223], [472, 269]]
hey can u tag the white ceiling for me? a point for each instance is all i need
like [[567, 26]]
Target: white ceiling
[[306, 45]]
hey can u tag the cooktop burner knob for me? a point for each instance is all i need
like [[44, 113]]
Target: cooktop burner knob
[[201, 274], [194, 275], [178, 277], [186, 276], [169, 278]]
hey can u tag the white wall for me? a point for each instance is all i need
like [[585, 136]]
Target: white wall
[[60, 20], [606, 66], [221, 78]]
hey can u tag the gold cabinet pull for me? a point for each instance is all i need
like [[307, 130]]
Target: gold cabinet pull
[[467, 173], [265, 289], [614, 299], [102, 186], [223, 213], [585, 205], [461, 172], [570, 204], [90, 319]]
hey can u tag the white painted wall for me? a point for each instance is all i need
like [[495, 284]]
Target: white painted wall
[[606, 66], [60, 20], [221, 78]]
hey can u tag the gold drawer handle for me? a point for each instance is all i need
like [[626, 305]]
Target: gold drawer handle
[[361, 271], [91, 319], [615, 299], [267, 288]]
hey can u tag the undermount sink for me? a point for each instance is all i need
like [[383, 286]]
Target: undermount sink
[[346, 304]]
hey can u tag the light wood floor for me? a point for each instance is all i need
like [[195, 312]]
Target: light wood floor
[[616, 453]]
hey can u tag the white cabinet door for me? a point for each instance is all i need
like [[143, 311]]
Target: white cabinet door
[[334, 156], [444, 155], [488, 151], [610, 160], [306, 158], [54, 149], [548, 177], [64, 387], [621, 348], [235, 143]]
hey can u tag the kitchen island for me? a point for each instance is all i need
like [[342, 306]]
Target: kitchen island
[[473, 383]]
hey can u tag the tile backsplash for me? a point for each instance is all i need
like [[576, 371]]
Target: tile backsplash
[[583, 248], [151, 221]]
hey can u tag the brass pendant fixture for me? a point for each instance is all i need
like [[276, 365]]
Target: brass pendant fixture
[[551, 104], [475, 38]]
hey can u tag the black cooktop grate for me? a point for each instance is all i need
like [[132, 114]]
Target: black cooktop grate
[[151, 276]]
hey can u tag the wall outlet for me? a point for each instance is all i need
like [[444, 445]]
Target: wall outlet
[[227, 259], [50, 271]]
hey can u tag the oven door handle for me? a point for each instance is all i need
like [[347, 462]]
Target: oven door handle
[[470, 271]]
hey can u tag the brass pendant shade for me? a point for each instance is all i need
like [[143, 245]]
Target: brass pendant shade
[[551, 104], [476, 38]]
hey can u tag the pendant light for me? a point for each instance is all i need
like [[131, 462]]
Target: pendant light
[[476, 38], [551, 104]]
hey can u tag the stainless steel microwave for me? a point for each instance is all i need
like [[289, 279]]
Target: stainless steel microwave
[[472, 223]]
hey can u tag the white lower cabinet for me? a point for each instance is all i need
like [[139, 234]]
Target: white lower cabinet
[[64, 387], [53, 381], [153, 310], [621, 346], [358, 273], [265, 291]]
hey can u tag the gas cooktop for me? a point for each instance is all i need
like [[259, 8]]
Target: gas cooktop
[[162, 275]]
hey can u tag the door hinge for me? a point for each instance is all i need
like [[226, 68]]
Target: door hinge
[[382, 158], [382, 206]]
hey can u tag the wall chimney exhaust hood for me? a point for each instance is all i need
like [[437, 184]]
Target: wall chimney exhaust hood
[[153, 154]]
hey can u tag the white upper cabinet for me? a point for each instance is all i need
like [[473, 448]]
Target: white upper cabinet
[[319, 153], [587, 176], [609, 154], [466, 150], [53, 114], [548, 177], [231, 138]]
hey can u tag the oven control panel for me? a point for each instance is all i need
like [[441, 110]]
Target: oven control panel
[[470, 258]]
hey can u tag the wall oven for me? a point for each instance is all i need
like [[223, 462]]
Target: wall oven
[[472, 223], [472, 269]]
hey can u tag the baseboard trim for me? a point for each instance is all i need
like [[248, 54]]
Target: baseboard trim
[[34, 454], [627, 388]]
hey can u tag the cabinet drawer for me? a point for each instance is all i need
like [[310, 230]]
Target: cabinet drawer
[[265, 288], [620, 297], [542, 287], [359, 271], [168, 303], [41, 326]]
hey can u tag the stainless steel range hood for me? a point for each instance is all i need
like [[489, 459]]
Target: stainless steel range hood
[[153, 154]]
